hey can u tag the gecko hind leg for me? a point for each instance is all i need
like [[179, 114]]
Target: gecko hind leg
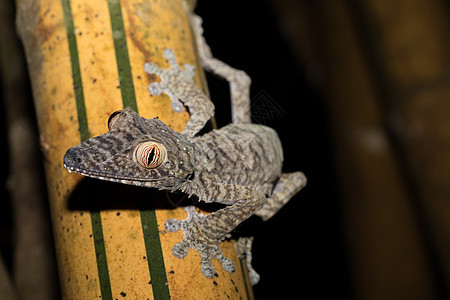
[[204, 233], [287, 186]]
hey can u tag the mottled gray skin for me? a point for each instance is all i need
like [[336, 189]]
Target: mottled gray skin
[[238, 165]]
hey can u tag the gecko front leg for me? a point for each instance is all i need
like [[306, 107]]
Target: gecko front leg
[[203, 233], [179, 85]]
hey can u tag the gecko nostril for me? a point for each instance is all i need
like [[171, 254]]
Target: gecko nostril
[[72, 158]]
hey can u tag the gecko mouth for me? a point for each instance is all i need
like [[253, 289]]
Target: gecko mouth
[[92, 174], [108, 176]]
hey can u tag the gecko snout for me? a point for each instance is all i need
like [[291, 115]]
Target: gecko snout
[[72, 158]]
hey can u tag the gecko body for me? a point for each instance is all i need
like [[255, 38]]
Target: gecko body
[[239, 165]]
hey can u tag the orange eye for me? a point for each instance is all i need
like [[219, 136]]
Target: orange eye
[[150, 155], [112, 118]]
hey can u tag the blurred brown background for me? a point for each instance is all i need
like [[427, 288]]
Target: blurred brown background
[[359, 92]]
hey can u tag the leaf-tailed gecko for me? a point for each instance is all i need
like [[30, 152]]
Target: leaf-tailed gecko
[[239, 165]]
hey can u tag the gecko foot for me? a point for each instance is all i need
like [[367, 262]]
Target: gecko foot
[[179, 85], [199, 236], [174, 72]]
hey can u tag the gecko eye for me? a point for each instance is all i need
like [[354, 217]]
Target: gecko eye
[[150, 154], [112, 118]]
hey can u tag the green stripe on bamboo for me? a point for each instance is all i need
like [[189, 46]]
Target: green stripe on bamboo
[[148, 217], [122, 59], [100, 251], [76, 73], [97, 230]]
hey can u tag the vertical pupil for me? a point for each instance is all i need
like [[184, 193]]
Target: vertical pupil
[[151, 156]]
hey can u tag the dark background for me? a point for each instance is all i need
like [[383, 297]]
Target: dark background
[[300, 251]]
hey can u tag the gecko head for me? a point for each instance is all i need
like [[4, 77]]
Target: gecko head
[[137, 151]]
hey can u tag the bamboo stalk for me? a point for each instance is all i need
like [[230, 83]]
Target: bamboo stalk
[[86, 60]]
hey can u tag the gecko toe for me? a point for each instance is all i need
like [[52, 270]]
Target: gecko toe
[[189, 71], [180, 250], [170, 57], [168, 53], [207, 269], [172, 225], [154, 89], [152, 68], [177, 106], [227, 264]]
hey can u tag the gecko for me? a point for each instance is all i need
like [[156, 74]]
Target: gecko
[[238, 165]]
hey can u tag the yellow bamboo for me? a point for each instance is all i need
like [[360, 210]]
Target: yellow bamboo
[[79, 53]]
